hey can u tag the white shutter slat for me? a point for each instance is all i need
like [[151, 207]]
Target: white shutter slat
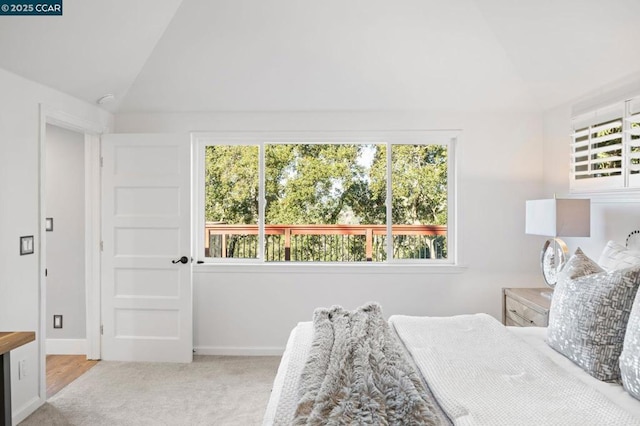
[[605, 160], [580, 144], [607, 126], [580, 133], [602, 149], [599, 172], [635, 118], [606, 138]]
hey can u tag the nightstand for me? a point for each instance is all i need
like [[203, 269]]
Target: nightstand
[[525, 307]]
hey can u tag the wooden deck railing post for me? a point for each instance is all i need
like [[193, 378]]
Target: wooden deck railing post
[[369, 245], [223, 245], [287, 244]]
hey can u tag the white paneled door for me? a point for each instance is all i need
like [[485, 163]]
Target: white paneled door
[[146, 260]]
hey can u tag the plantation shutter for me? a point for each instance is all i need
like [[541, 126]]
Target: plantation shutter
[[632, 133], [597, 150]]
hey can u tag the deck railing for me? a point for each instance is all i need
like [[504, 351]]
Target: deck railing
[[325, 242]]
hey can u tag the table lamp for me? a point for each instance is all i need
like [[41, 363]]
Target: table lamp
[[569, 217]]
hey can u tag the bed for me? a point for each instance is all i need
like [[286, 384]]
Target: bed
[[479, 372]]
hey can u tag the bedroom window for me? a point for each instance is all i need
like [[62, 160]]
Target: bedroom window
[[605, 148], [310, 199]]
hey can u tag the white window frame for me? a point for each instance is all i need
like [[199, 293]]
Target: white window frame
[[201, 140]]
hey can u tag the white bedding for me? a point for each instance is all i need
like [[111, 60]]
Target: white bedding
[[535, 337], [481, 374], [284, 396]]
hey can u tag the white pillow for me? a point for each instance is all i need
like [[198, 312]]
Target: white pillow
[[630, 357], [616, 256]]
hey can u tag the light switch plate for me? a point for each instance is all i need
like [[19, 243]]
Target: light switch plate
[[26, 245], [57, 321]]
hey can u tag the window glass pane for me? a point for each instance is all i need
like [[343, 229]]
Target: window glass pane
[[634, 142], [606, 148], [231, 201], [324, 202], [419, 206]]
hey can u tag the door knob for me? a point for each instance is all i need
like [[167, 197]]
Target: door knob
[[183, 259]]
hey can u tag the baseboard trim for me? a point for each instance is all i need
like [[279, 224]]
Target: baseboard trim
[[66, 346], [239, 351], [27, 409]]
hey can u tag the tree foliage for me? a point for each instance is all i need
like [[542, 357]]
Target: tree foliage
[[327, 184], [231, 184]]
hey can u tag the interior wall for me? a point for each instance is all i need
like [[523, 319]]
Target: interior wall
[[251, 309], [19, 215], [65, 204], [613, 215]]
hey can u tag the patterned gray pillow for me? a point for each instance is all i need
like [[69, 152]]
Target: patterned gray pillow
[[588, 318], [630, 357], [580, 265]]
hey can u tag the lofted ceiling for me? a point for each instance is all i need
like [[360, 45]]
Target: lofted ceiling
[[299, 55]]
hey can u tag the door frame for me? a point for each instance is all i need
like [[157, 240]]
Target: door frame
[[91, 132]]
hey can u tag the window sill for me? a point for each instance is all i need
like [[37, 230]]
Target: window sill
[[327, 268], [626, 195]]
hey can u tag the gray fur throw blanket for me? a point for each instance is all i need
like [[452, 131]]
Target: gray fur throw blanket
[[357, 374]]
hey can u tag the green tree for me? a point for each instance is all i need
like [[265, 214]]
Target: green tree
[[328, 184], [231, 184], [312, 184]]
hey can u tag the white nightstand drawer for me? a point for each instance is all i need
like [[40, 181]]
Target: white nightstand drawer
[[525, 308], [524, 315]]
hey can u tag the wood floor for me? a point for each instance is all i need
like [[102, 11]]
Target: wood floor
[[64, 369]]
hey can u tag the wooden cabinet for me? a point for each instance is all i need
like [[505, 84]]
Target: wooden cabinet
[[525, 307], [9, 340]]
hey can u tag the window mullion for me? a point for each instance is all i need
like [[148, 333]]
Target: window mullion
[[199, 156], [261, 202], [389, 206], [626, 143]]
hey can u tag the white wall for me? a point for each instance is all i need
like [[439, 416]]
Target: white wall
[[613, 217], [251, 309], [19, 215], [65, 244]]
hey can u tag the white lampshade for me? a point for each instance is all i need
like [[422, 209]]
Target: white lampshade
[[559, 217]]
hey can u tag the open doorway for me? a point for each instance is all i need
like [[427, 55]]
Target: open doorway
[[89, 131], [65, 245]]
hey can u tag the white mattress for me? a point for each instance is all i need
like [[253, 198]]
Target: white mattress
[[284, 393]]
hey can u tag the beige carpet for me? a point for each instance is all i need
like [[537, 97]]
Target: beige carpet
[[213, 390]]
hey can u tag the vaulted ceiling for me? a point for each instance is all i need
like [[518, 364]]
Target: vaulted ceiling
[[292, 55]]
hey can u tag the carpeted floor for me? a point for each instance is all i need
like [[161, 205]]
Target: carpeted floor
[[213, 390]]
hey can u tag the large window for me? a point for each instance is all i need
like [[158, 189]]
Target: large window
[[605, 148], [313, 199]]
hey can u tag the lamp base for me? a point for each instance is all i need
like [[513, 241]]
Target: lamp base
[[553, 256]]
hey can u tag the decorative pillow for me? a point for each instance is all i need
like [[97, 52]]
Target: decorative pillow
[[630, 357], [616, 256], [580, 265], [588, 318]]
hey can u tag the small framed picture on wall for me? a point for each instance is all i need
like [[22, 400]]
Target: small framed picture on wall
[[26, 245]]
